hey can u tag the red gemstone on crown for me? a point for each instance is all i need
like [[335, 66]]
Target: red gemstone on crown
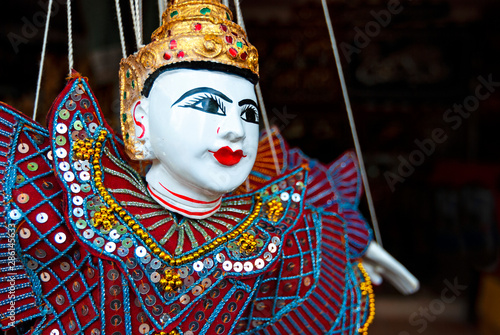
[[244, 56], [197, 27], [181, 54], [229, 39], [233, 52], [173, 44], [167, 56], [223, 27]]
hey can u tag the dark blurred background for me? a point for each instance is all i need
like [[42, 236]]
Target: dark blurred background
[[424, 82]]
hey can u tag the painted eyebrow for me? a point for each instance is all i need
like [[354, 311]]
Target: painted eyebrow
[[248, 102], [203, 90]]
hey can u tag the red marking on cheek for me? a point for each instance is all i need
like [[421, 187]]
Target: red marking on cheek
[[137, 122]]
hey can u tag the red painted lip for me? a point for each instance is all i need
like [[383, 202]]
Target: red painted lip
[[226, 156]]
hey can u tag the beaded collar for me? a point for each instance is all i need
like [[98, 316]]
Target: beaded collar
[[111, 213]]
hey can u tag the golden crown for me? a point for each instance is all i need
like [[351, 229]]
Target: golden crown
[[194, 34]]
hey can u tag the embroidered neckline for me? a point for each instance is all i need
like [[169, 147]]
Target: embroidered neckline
[[91, 150]]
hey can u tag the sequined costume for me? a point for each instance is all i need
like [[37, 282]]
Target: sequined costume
[[85, 250]]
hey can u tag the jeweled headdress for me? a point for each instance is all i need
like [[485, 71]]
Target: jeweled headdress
[[194, 34]]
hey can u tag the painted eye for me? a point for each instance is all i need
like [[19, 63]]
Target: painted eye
[[250, 114], [207, 104]]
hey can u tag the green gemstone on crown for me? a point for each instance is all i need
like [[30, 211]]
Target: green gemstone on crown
[[205, 11], [174, 13]]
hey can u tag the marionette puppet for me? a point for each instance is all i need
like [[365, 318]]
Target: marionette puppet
[[214, 240]]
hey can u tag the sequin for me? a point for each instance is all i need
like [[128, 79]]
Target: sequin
[[61, 128], [194, 325], [259, 263], [32, 265], [272, 248], [110, 247], [127, 243], [116, 320], [238, 267], [155, 264], [20, 179], [99, 242], [188, 281], [40, 253], [88, 234], [276, 240], [307, 281], [86, 188], [74, 135], [185, 299], [296, 197], [206, 283], [85, 176], [222, 284], [220, 258], [24, 233], [60, 299], [157, 310], [85, 103], [197, 290], [115, 290], [220, 329], [88, 117], [42, 217], [70, 105], [78, 201], [227, 266], [95, 331], [69, 176], [198, 266], [23, 198], [54, 332], [122, 252], [76, 286], [81, 224], [188, 333], [183, 272], [137, 275], [78, 125], [150, 300], [268, 257], [49, 155], [72, 325], [140, 251], [299, 185], [93, 127], [64, 114], [275, 188], [131, 263], [65, 266], [60, 140], [146, 259], [45, 277], [15, 214], [60, 238], [84, 310], [23, 148], [208, 263], [113, 234], [116, 305], [78, 212], [285, 196], [32, 166], [248, 266]]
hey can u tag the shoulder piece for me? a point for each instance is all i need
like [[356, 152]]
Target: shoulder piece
[[112, 215], [23, 147]]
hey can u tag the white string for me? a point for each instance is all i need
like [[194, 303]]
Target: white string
[[42, 59], [352, 124], [120, 27], [239, 16], [225, 3], [268, 128], [70, 37], [135, 23], [138, 13], [162, 6]]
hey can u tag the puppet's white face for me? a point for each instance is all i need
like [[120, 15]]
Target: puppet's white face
[[202, 127]]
